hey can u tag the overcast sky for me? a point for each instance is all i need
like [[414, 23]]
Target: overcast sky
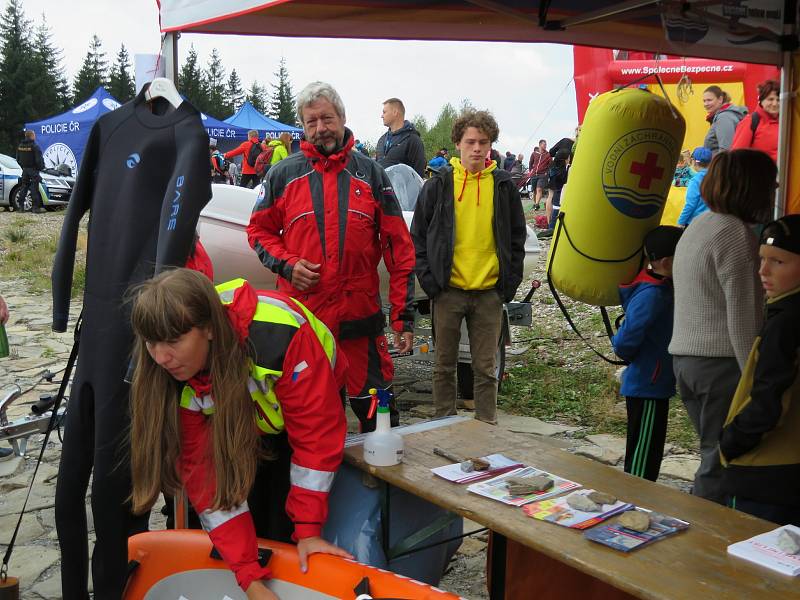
[[527, 86]]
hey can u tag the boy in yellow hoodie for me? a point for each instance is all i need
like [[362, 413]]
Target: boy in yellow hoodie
[[469, 234]]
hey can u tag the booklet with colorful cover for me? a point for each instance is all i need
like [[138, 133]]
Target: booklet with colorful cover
[[763, 549], [559, 512], [498, 464], [496, 488], [621, 538]]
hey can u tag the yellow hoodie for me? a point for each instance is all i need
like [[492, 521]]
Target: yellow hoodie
[[475, 263]]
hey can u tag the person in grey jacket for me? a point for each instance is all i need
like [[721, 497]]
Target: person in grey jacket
[[723, 117], [718, 299], [401, 144]]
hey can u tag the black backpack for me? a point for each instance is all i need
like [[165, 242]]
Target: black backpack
[[252, 154], [754, 119]]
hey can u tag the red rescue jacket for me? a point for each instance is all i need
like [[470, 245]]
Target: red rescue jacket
[[309, 395], [244, 150], [765, 137], [339, 211]]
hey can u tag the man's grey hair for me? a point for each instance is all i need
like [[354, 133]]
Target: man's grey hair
[[319, 90]]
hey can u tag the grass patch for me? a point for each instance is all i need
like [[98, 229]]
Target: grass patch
[[27, 254], [584, 396], [17, 235]]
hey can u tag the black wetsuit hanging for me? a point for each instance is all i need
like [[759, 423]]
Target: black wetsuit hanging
[[145, 178]]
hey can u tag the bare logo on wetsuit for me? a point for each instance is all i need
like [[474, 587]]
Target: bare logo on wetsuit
[[133, 160], [176, 205]]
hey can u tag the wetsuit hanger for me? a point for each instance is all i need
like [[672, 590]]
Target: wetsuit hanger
[[161, 87]]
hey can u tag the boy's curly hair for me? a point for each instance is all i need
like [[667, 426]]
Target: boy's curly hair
[[479, 119]]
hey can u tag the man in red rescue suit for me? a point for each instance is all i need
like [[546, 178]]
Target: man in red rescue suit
[[324, 218]]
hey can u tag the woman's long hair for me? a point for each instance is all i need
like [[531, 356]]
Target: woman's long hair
[[286, 138], [165, 308]]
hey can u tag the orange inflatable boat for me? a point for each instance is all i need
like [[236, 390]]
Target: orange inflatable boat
[[182, 565]]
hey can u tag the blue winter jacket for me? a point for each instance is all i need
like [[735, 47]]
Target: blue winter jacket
[[644, 336], [695, 205]]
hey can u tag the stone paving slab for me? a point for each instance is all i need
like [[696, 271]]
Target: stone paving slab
[[533, 425], [682, 466], [29, 562], [605, 455]]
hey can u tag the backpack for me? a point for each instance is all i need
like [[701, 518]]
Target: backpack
[[252, 154], [754, 119], [221, 163], [263, 161]]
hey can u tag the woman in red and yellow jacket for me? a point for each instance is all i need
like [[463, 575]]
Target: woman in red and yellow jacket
[[759, 129], [236, 398]]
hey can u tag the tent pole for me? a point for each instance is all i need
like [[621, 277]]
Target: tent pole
[[170, 55], [787, 101]]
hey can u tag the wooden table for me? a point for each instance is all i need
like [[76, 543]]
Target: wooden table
[[559, 562]]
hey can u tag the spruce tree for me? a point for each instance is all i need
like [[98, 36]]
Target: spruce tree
[[438, 136], [120, 82], [49, 86], [282, 103], [215, 86], [190, 82], [256, 95], [15, 98], [234, 93], [93, 73]]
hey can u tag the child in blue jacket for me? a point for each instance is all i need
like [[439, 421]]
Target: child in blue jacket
[[648, 382]]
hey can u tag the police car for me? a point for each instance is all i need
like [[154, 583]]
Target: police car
[[55, 188]]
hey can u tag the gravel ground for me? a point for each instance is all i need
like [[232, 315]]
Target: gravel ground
[[466, 572]]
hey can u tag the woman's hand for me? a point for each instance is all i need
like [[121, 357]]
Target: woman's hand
[[312, 545], [258, 591]]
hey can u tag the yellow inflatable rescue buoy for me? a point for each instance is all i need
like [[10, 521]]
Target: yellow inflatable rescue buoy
[[623, 167]]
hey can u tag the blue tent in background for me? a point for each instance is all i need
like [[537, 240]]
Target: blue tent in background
[[249, 118], [228, 136], [62, 138]]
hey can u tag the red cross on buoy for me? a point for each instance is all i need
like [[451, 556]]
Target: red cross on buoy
[[647, 171]]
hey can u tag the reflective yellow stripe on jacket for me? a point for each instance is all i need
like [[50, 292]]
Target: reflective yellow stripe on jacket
[[269, 311]]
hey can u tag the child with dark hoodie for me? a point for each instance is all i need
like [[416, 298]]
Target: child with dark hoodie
[[759, 447], [648, 382]]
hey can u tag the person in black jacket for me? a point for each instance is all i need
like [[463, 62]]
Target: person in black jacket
[[469, 236], [29, 157], [401, 144]]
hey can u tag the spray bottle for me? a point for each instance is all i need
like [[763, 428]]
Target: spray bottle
[[382, 447]]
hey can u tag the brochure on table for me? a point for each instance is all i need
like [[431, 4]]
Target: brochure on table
[[621, 538], [498, 464], [763, 550], [559, 512], [496, 488]]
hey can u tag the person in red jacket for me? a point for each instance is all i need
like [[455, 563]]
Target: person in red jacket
[[538, 165], [324, 218], [236, 398], [249, 154], [759, 129]]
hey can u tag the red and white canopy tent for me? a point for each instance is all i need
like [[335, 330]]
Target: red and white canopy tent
[[760, 31]]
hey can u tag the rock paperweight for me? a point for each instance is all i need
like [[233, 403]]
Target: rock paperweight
[[601, 498], [634, 520], [581, 502], [789, 541]]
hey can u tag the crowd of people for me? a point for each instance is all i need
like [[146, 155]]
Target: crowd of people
[[287, 359], [695, 321], [210, 363]]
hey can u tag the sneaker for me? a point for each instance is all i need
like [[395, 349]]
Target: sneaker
[[547, 233], [6, 453], [38, 211]]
